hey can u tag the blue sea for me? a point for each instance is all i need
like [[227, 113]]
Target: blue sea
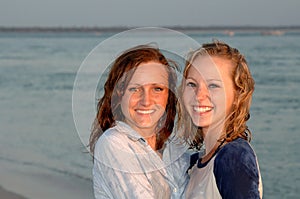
[[42, 154]]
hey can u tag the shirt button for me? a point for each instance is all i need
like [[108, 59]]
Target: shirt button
[[174, 190]]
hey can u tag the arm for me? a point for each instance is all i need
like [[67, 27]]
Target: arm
[[236, 171]]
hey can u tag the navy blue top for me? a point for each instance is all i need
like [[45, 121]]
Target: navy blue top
[[236, 171]]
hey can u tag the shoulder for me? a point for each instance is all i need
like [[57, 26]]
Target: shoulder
[[109, 143], [235, 156], [236, 170], [114, 150], [239, 150], [110, 137]]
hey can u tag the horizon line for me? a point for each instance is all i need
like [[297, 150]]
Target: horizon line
[[123, 28]]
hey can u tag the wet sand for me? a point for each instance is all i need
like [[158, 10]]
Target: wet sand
[[9, 195], [27, 182]]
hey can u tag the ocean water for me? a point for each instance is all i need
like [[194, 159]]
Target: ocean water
[[37, 74]]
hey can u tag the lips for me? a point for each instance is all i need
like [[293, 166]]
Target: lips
[[202, 109]]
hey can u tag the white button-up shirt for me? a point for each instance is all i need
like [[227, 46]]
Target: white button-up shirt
[[125, 166]]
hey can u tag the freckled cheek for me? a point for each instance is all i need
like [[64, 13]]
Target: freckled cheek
[[161, 99], [129, 101], [188, 95], [134, 99]]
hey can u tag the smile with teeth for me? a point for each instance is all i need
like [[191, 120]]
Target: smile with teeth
[[202, 109], [145, 111]]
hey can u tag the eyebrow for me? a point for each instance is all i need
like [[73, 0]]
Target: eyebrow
[[214, 80], [207, 80], [153, 84]]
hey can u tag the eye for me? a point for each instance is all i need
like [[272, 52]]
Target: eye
[[133, 89], [158, 89], [191, 84], [212, 85]]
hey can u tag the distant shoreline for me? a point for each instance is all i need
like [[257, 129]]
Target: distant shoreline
[[177, 28]]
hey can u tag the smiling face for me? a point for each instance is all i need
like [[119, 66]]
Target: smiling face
[[209, 92], [145, 98]]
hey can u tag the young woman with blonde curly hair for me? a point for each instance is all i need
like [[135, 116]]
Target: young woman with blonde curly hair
[[216, 94]]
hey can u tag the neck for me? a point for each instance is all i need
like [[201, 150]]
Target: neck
[[211, 137], [147, 133], [211, 152], [152, 141]]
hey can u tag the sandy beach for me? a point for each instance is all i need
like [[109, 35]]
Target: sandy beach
[[9, 195], [27, 182]]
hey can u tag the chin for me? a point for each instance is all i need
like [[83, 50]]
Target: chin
[[200, 123]]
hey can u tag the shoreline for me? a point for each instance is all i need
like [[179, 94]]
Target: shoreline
[[9, 195], [21, 181]]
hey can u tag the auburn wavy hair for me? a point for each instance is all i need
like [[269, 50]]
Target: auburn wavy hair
[[235, 122], [122, 69]]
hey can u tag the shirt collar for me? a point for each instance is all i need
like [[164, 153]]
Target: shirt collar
[[131, 134]]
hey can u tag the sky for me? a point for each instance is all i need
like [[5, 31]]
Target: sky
[[138, 13]]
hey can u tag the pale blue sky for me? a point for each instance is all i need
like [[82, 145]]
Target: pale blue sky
[[107, 13]]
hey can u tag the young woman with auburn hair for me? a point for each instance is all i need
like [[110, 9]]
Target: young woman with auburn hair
[[130, 134]]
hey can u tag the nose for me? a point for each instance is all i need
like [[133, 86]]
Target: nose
[[202, 92], [146, 97]]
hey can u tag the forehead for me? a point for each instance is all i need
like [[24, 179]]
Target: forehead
[[149, 73], [211, 67]]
